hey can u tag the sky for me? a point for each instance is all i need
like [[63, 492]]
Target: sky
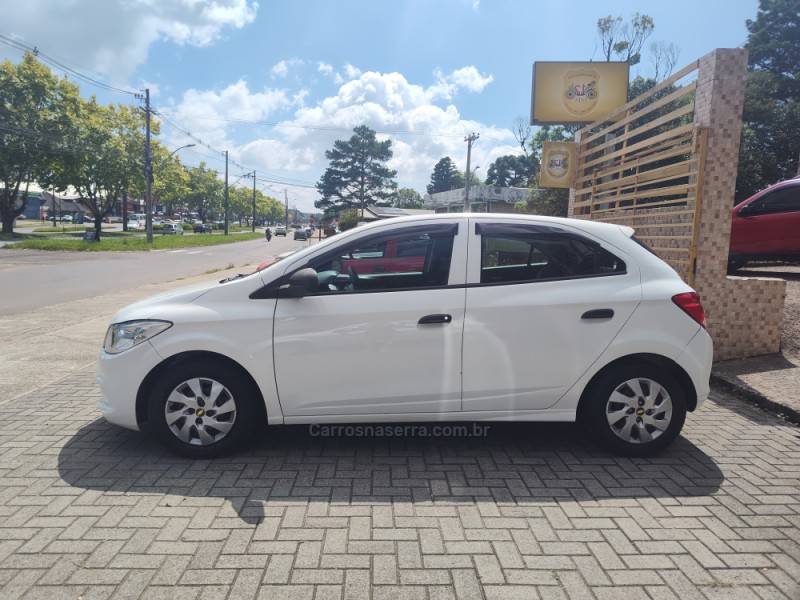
[[275, 82]]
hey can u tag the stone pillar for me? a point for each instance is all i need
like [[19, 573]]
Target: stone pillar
[[744, 313]]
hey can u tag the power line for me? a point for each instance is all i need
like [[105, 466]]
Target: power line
[[53, 62]]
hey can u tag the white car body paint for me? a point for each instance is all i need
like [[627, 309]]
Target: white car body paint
[[527, 355]]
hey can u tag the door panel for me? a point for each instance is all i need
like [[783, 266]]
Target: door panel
[[367, 354], [356, 348], [525, 344]]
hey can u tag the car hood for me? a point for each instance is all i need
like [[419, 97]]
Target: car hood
[[154, 307]]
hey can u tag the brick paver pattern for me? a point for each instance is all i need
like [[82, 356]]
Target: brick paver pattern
[[92, 511]]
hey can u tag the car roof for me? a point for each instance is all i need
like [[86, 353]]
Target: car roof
[[594, 227]]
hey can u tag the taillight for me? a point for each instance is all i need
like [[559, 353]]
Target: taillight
[[689, 302]]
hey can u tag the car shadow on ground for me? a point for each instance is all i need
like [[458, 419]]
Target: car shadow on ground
[[516, 463]]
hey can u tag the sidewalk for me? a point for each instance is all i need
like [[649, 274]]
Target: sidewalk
[[771, 381]]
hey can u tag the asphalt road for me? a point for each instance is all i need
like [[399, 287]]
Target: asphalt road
[[31, 279]]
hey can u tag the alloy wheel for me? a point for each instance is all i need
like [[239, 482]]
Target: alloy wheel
[[200, 411], [639, 410]]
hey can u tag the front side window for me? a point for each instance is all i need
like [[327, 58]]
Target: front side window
[[514, 257], [394, 261], [783, 200]]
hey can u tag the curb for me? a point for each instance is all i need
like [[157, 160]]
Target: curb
[[754, 396]]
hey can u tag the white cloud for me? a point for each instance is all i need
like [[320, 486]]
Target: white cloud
[[351, 72], [113, 37], [210, 113], [281, 68], [386, 102], [466, 78], [325, 68]]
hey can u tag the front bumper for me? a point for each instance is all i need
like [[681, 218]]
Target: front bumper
[[119, 377]]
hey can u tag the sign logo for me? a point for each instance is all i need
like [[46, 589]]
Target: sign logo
[[557, 164], [580, 91]]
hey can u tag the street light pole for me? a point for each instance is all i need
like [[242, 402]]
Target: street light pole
[[148, 170], [171, 154], [253, 223], [226, 192], [469, 139]]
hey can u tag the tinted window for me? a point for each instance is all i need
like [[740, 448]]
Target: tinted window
[[514, 257], [392, 262], [782, 200]]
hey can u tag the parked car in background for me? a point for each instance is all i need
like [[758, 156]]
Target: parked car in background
[[67, 218], [766, 226], [300, 234], [172, 229], [203, 228], [280, 230], [500, 317]]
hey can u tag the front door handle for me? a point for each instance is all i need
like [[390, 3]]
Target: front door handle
[[598, 313], [438, 318]]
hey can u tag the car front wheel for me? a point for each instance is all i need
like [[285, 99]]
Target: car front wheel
[[634, 409], [203, 409]]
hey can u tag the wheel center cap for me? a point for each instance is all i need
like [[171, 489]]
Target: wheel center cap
[[200, 412], [639, 412]]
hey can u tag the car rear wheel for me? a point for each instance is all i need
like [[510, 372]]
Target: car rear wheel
[[634, 409], [203, 409]]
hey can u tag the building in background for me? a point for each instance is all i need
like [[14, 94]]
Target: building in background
[[482, 198]]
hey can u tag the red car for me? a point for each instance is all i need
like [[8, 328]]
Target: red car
[[766, 226], [392, 256]]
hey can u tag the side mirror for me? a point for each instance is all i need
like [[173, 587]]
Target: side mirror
[[301, 283]]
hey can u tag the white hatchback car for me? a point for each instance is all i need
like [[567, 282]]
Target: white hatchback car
[[439, 317]]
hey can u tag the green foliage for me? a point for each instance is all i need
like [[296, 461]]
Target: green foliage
[[770, 145], [36, 120], [348, 219], [206, 191], [133, 243], [407, 198], [512, 171], [357, 175], [445, 176]]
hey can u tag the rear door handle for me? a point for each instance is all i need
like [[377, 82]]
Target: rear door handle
[[598, 313], [437, 318]]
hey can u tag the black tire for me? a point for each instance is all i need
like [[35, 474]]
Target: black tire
[[248, 416], [592, 411]]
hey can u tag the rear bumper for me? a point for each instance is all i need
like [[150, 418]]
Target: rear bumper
[[119, 377], [696, 360]]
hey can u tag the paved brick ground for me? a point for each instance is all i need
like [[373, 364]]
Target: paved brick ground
[[91, 511]]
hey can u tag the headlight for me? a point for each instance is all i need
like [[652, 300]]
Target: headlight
[[122, 336]]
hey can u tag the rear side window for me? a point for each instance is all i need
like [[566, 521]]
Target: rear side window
[[524, 257]]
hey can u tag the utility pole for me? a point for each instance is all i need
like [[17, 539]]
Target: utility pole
[[286, 209], [148, 170], [469, 139], [254, 201], [226, 192]]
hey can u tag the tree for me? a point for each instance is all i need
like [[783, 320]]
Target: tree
[[407, 198], [348, 219], [170, 179], [206, 191], [511, 171], [101, 168], [37, 114], [624, 41], [770, 145], [357, 175], [445, 176]]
